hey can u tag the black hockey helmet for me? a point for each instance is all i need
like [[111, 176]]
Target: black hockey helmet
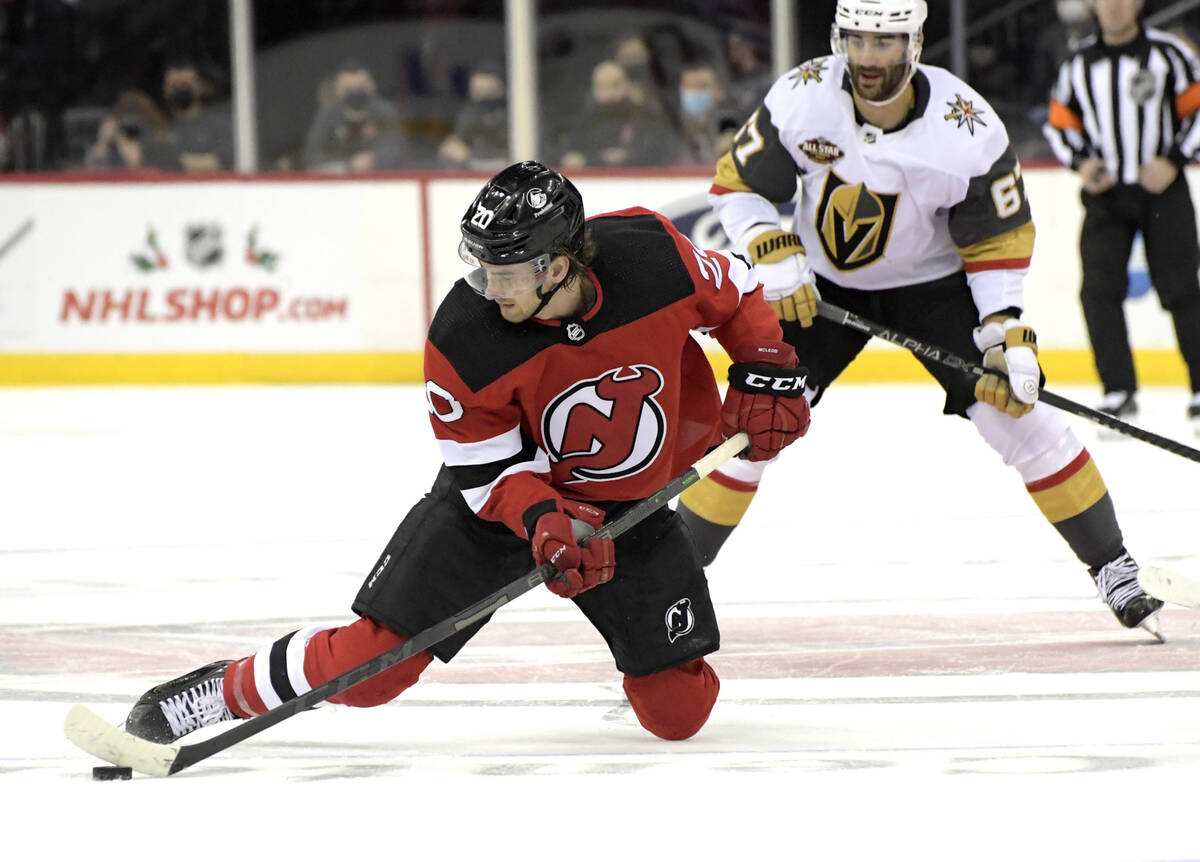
[[525, 211]]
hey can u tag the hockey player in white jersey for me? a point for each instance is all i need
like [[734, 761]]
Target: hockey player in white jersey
[[912, 213]]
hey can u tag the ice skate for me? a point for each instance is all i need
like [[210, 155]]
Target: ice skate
[[175, 708], [1117, 582], [1119, 405]]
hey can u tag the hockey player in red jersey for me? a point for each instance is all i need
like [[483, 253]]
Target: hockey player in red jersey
[[563, 385], [912, 213]]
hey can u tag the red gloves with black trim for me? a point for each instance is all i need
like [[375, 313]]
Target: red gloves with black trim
[[766, 398], [555, 537]]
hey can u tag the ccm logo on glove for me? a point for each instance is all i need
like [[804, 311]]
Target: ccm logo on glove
[[766, 398], [756, 381], [558, 527]]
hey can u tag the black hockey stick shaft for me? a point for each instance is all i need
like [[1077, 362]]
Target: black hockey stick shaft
[[933, 352], [435, 634]]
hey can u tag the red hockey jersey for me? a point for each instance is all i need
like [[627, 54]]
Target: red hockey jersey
[[608, 406]]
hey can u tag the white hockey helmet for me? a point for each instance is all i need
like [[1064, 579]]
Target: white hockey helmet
[[904, 17], [881, 16]]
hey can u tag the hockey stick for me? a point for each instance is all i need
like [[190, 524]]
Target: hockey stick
[[937, 354], [98, 737]]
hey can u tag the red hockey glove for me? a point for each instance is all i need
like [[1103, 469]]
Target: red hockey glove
[[766, 398], [555, 539]]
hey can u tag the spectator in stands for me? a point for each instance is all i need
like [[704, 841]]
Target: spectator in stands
[[703, 113], [633, 54], [128, 136], [480, 136], [357, 130], [198, 138], [614, 130], [751, 71]]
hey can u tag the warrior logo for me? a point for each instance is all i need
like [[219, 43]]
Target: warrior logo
[[854, 223], [608, 427], [680, 620], [203, 245], [964, 113], [821, 151]]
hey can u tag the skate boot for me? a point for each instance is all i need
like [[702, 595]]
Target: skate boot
[[176, 708], [1119, 405], [1117, 582]]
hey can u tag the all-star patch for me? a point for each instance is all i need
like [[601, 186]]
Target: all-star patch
[[822, 151]]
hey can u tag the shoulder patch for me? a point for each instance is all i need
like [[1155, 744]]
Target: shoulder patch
[[810, 71], [964, 113]]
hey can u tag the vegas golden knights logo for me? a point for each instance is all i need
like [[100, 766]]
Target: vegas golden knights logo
[[854, 223]]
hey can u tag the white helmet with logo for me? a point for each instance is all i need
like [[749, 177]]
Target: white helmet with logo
[[881, 16], [904, 17]]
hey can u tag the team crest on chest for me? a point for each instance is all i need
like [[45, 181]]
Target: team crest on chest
[[810, 71], [608, 427], [822, 151], [964, 113], [854, 223]]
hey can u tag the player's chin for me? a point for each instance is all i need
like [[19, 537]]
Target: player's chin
[[512, 312]]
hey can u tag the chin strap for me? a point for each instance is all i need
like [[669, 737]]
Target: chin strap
[[548, 295]]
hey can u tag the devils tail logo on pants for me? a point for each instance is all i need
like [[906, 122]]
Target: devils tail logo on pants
[[680, 620]]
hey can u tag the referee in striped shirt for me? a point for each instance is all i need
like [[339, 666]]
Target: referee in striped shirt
[[1123, 114]]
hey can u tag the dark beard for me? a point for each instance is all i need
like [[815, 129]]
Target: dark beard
[[889, 84]]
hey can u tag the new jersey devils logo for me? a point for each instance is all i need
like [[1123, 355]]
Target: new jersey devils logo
[[608, 427], [680, 620]]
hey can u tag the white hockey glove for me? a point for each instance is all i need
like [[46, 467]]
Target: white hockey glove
[[1010, 348], [789, 285]]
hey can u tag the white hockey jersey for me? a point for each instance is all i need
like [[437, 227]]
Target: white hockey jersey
[[879, 210]]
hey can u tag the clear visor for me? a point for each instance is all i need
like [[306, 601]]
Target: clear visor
[[503, 281], [840, 40], [867, 54]]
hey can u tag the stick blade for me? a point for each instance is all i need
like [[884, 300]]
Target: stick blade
[[1170, 586], [97, 737]]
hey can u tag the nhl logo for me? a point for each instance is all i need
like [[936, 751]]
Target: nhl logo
[[1141, 89], [202, 243], [536, 198], [680, 620], [575, 332]]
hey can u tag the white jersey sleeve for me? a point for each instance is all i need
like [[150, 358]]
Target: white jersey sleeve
[[879, 209]]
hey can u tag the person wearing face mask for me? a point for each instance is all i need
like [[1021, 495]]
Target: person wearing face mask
[[480, 136], [198, 138], [701, 110], [356, 130], [614, 130]]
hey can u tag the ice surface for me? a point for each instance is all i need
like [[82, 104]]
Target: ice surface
[[913, 665]]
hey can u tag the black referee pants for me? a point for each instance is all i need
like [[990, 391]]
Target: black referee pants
[[1168, 225]]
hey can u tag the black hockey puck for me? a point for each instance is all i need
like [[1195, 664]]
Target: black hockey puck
[[112, 773]]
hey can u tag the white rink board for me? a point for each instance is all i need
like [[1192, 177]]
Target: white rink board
[[349, 261], [210, 266]]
